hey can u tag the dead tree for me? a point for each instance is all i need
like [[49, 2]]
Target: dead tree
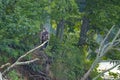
[[19, 62], [103, 49]]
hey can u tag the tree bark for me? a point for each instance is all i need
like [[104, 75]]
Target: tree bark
[[83, 31], [60, 30]]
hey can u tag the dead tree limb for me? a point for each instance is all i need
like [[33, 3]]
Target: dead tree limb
[[4, 65], [103, 49], [21, 57], [31, 51]]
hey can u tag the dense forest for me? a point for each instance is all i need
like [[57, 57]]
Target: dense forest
[[58, 39]]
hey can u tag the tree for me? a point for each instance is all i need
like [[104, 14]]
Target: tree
[[66, 9], [103, 49], [85, 23], [69, 22], [99, 21], [18, 62], [20, 25]]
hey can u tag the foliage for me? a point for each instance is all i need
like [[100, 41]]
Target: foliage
[[21, 22], [12, 75], [115, 75], [105, 13], [102, 15], [68, 59], [65, 8], [17, 29]]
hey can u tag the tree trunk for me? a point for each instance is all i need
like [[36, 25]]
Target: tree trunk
[[60, 30], [83, 31], [84, 28]]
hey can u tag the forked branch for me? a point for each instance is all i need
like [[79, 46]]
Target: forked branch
[[20, 58]]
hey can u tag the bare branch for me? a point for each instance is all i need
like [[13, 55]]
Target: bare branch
[[102, 51], [108, 46], [23, 63], [17, 64], [102, 43], [118, 33], [27, 62], [31, 51], [7, 64]]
